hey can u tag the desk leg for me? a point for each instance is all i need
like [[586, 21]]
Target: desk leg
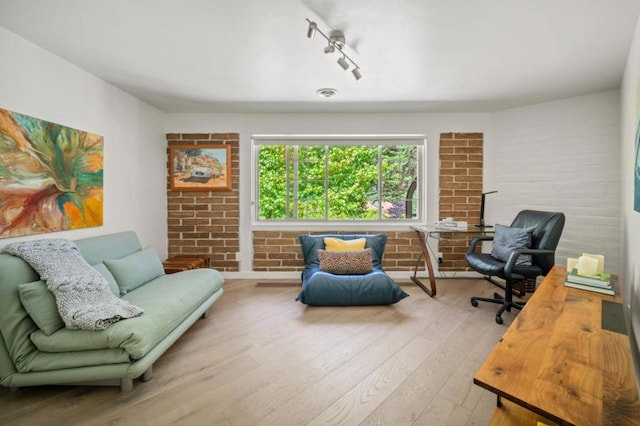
[[431, 290]]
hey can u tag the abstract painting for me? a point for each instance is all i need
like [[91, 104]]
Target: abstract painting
[[50, 176], [200, 167]]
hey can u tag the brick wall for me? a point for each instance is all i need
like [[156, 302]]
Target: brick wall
[[460, 191], [206, 222], [280, 251]]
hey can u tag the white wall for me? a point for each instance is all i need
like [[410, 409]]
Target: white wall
[[560, 156], [37, 83], [630, 242]]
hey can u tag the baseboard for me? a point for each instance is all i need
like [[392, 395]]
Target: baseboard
[[396, 275]]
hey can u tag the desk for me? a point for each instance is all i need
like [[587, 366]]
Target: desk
[[424, 232], [557, 361]]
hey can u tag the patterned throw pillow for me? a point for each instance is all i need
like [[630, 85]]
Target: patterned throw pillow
[[346, 262]]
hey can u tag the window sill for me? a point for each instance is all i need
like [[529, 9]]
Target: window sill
[[336, 226]]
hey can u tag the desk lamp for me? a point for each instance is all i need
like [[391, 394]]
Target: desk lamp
[[482, 225]]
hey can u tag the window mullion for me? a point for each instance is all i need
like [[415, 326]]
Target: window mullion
[[326, 182], [379, 182], [295, 182], [286, 182]]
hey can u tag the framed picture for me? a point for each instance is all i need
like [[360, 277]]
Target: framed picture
[[200, 167], [51, 176]]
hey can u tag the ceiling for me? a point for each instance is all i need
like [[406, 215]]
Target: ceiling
[[414, 55]]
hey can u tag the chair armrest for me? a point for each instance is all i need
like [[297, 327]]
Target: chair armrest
[[511, 263], [474, 242]]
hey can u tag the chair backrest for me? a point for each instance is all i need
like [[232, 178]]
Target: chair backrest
[[548, 228]]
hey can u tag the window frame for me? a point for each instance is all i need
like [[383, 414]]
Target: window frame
[[418, 140]]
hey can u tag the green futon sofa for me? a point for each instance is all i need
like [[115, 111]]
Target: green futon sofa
[[36, 348]]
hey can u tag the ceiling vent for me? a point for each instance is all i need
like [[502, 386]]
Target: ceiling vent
[[327, 92]]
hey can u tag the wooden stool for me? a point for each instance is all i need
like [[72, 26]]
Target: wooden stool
[[185, 262]]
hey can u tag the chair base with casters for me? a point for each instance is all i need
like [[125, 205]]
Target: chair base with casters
[[497, 298], [518, 289], [545, 229]]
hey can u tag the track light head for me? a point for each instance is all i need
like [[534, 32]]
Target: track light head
[[356, 73], [343, 63], [311, 31], [330, 48]]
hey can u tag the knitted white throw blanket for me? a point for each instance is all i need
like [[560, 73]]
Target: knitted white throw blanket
[[82, 294]]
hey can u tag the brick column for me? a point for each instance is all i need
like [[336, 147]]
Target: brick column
[[208, 222], [460, 190]]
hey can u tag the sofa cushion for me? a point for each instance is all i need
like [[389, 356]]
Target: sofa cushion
[[167, 301], [345, 262], [14, 270], [104, 271], [136, 269], [15, 322], [40, 303], [110, 246], [45, 361]]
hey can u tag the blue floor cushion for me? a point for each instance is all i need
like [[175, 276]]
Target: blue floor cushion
[[346, 277]]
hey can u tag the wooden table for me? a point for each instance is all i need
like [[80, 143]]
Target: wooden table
[[557, 361], [184, 263]]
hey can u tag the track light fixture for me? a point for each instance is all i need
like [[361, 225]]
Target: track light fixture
[[336, 41]]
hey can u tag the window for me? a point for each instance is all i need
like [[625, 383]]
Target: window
[[347, 178]]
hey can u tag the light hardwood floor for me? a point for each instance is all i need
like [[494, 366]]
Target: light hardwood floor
[[262, 358]]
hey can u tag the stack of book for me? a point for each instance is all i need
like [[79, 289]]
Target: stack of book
[[600, 283]]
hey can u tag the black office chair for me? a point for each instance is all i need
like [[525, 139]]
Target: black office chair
[[546, 231]]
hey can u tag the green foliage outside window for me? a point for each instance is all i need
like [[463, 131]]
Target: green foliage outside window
[[336, 182]]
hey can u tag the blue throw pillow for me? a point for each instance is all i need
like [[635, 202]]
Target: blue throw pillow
[[507, 239]]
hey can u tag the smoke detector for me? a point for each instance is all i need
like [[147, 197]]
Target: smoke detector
[[327, 92]]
